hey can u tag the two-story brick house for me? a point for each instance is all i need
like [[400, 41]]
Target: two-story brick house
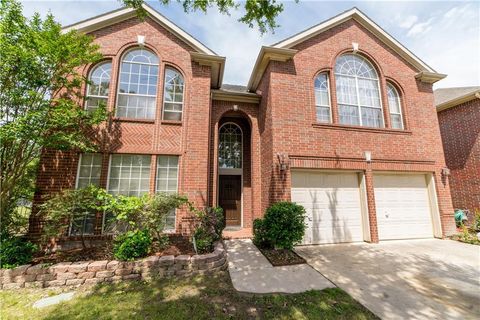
[[339, 118]]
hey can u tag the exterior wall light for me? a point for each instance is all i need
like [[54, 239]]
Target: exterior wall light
[[368, 156], [445, 172], [282, 161], [355, 47], [141, 40]]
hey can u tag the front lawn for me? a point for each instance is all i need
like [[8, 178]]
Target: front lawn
[[200, 297]]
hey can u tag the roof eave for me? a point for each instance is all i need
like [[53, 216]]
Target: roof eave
[[216, 64], [429, 77], [266, 55], [459, 100], [245, 97]]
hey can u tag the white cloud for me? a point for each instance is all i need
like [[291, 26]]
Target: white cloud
[[407, 22], [420, 28]]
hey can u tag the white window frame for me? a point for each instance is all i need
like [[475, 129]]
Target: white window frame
[[399, 101], [87, 95], [329, 98], [76, 187], [231, 170], [110, 168], [129, 77], [172, 102], [156, 185], [358, 105]]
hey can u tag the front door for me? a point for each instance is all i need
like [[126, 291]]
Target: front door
[[230, 199]]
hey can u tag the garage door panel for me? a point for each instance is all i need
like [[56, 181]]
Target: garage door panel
[[332, 204], [403, 208]]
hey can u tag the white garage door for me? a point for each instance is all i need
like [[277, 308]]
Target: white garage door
[[332, 202], [403, 207]]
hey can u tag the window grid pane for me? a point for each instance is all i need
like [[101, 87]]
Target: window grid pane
[[322, 98], [394, 107], [230, 146], [129, 175], [358, 92], [137, 90], [167, 181], [89, 169], [173, 95], [98, 88]]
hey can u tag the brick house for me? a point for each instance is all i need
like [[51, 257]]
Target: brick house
[[458, 111], [339, 118]]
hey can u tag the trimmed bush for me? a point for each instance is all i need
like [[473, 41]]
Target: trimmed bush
[[282, 227], [132, 245], [210, 225], [15, 252], [203, 240]]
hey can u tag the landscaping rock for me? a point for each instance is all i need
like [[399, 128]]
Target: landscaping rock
[[66, 276], [182, 260], [25, 278], [75, 282], [38, 269], [60, 267], [45, 277], [86, 275], [104, 274], [166, 261], [7, 286], [94, 281], [45, 302], [80, 266], [98, 265], [55, 283], [35, 284]]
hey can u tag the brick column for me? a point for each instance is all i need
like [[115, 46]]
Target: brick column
[[372, 212]]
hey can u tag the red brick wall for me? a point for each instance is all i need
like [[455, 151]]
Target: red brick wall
[[189, 139], [291, 106], [460, 129]]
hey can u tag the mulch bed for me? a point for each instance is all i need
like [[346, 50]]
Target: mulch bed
[[282, 257], [178, 245]]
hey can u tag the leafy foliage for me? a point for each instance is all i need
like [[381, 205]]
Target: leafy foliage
[[132, 245], [210, 225], [261, 13], [75, 207], [15, 251], [40, 91], [282, 227]]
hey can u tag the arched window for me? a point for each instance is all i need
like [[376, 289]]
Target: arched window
[[98, 86], [358, 94], [322, 98], [394, 107], [137, 90], [173, 95], [230, 146]]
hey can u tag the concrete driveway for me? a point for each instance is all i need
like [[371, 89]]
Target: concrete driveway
[[415, 279]]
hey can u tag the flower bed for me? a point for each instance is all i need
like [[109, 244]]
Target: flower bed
[[93, 272]]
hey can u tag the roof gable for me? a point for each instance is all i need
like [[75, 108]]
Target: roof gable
[[446, 98], [366, 22], [125, 13]]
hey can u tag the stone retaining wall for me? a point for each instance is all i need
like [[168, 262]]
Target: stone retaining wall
[[93, 272]]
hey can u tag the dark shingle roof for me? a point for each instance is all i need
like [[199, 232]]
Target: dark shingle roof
[[447, 94]]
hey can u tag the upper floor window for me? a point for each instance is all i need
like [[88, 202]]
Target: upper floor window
[[358, 94], [322, 98], [394, 107], [230, 146], [98, 86], [173, 95], [137, 91]]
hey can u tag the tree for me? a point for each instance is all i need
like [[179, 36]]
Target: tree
[[263, 13], [40, 92]]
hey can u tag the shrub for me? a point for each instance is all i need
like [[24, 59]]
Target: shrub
[[282, 227], [260, 234], [15, 252], [203, 240], [209, 227], [132, 245]]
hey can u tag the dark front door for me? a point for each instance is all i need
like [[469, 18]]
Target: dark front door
[[230, 199]]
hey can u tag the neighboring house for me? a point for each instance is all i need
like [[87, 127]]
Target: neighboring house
[[458, 112], [339, 118]]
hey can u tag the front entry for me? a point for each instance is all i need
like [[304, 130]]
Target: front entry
[[230, 199]]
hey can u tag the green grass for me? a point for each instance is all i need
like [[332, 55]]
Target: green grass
[[200, 297]]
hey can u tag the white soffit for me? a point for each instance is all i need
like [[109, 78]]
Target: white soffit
[[361, 18], [122, 14]]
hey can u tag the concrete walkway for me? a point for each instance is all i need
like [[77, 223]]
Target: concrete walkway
[[251, 272], [415, 279]]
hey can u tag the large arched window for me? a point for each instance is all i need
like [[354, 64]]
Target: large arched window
[[173, 95], [322, 98], [230, 146], [98, 86], [358, 94], [137, 90], [394, 107]]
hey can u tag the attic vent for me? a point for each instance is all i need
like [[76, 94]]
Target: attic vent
[[141, 40]]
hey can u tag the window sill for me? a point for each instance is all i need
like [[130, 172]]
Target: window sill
[[361, 129], [134, 120], [172, 122]]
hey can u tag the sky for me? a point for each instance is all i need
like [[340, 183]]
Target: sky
[[444, 34]]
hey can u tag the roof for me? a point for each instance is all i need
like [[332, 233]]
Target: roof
[[426, 73], [125, 13], [233, 88], [235, 93], [450, 97]]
